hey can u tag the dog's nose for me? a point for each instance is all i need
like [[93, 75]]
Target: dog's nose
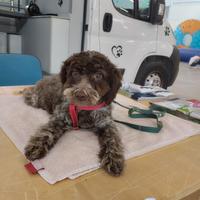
[[81, 95]]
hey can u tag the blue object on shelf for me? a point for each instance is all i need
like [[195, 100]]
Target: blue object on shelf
[[187, 53], [18, 69]]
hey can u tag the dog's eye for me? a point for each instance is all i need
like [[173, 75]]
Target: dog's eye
[[98, 76], [75, 74]]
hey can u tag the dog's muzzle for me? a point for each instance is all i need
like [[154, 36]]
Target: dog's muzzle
[[82, 96]]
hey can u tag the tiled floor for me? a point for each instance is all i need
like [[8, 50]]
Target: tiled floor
[[187, 83]]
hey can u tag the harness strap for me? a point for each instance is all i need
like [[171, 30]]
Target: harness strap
[[96, 107], [73, 112], [73, 115]]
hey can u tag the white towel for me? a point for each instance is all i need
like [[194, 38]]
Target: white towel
[[76, 152]]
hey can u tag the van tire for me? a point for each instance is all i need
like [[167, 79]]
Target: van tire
[[154, 68]]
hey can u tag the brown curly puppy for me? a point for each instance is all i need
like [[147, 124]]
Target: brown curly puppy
[[86, 78]]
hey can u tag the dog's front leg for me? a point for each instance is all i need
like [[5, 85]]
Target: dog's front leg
[[111, 150], [46, 137]]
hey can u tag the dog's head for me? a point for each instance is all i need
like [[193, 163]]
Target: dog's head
[[90, 78]]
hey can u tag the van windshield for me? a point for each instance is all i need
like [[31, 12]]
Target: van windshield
[[144, 9], [125, 6]]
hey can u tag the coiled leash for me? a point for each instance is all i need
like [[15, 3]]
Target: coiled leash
[[135, 112]]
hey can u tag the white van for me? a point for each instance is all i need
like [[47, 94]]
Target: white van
[[132, 33]]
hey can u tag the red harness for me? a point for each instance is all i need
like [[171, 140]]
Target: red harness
[[73, 112]]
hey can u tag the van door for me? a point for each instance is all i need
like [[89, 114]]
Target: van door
[[125, 35]]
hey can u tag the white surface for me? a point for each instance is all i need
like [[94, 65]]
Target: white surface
[[187, 83], [14, 43], [150, 198], [92, 35], [137, 39], [3, 42], [180, 12], [165, 42], [75, 33], [47, 39], [51, 6]]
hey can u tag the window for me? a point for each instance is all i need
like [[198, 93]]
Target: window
[[139, 9], [144, 9], [126, 7], [13, 5]]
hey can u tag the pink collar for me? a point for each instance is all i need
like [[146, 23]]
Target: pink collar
[[73, 112]]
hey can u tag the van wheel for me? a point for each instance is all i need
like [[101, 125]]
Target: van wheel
[[153, 73]]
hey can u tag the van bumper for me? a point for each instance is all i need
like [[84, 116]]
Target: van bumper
[[174, 63]]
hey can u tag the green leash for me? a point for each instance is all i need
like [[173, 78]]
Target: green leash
[[135, 112]]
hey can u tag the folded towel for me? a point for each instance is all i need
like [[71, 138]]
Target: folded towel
[[76, 153]]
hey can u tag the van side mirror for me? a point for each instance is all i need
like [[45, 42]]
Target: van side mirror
[[157, 11]]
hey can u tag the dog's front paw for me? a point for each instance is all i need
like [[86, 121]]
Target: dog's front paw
[[113, 164], [34, 151]]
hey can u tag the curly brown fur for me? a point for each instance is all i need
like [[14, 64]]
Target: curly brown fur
[[46, 94], [87, 78]]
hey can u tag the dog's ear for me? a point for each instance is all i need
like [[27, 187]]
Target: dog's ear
[[65, 70], [115, 84]]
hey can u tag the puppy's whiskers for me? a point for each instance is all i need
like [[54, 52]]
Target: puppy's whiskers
[[81, 96]]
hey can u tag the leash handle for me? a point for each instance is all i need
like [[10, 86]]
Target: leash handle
[[136, 112], [150, 113]]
